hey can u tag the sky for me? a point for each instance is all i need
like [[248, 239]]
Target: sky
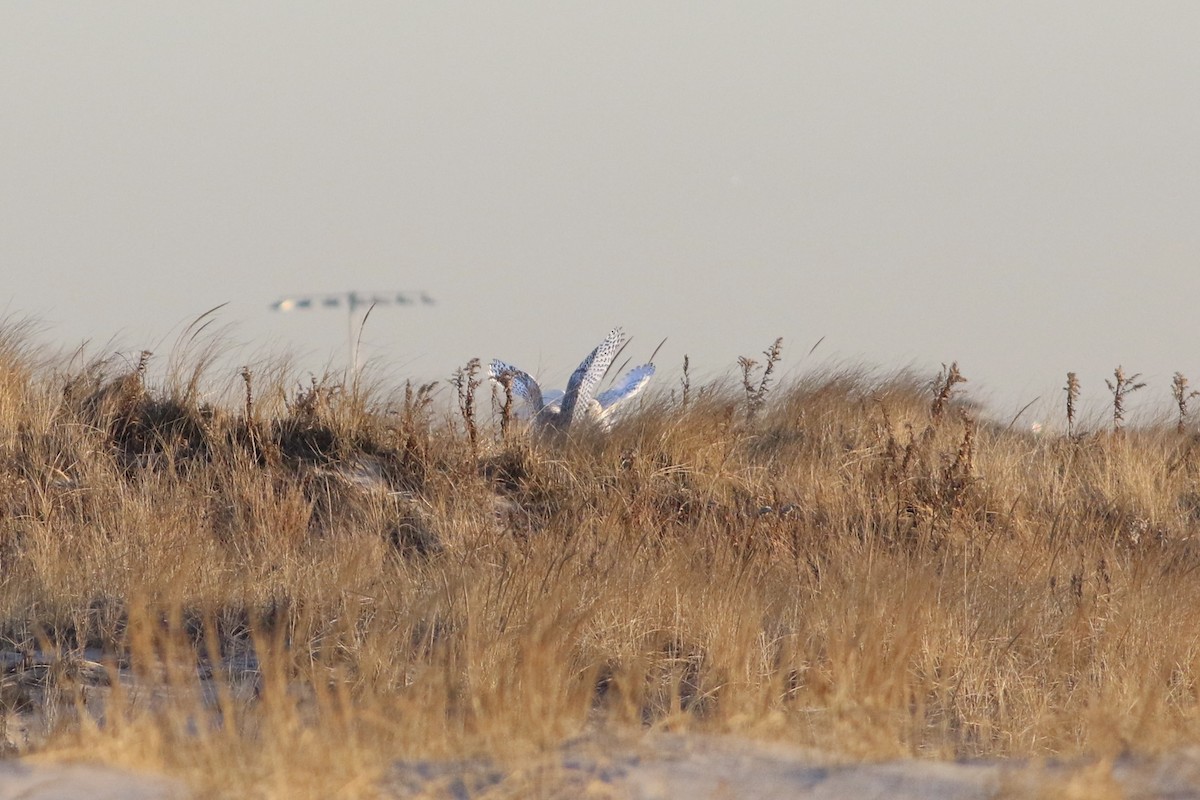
[[1014, 186]]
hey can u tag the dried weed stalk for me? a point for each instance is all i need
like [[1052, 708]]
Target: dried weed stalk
[[312, 401], [247, 379], [417, 401], [928, 484], [944, 390], [507, 416], [685, 384], [756, 394], [1179, 390], [466, 382], [1072, 390], [1121, 387]]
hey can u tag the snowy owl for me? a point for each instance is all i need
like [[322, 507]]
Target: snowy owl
[[558, 409]]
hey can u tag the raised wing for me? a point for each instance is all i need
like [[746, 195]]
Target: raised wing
[[634, 381], [588, 375], [523, 384]]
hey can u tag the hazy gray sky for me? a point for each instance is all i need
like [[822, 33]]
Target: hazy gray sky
[[1013, 185]]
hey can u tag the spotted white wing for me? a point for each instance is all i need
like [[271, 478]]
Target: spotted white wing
[[523, 384], [587, 377], [634, 381]]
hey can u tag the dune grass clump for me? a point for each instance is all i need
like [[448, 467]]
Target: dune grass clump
[[289, 591]]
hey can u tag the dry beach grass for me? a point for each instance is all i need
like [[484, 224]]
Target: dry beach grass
[[288, 591]]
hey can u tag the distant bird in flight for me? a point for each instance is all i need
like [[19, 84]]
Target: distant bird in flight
[[559, 410]]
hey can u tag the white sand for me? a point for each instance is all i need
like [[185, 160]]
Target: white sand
[[23, 780], [670, 766]]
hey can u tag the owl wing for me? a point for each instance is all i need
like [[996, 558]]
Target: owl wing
[[634, 381], [523, 384], [587, 377]]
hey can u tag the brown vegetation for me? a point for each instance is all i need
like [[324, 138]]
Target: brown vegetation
[[294, 589]]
